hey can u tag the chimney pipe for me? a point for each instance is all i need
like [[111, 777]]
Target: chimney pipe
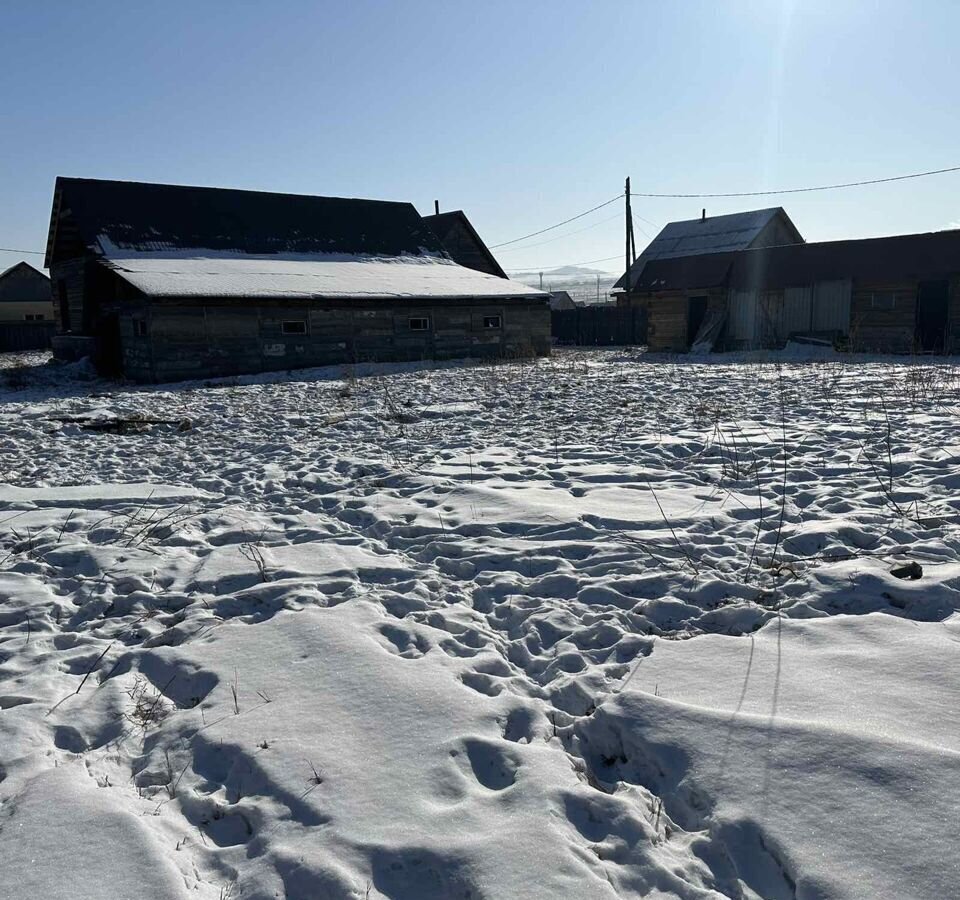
[[703, 216], [436, 207]]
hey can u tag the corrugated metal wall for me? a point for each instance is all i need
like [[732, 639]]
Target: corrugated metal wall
[[757, 319], [831, 306], [742, 317], [797, 309]]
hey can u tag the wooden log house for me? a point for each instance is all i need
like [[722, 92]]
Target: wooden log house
[[162, 282], [676, 313], [894, 295]]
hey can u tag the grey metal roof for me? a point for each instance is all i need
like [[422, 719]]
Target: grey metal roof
[[900, 258], [714, 234]]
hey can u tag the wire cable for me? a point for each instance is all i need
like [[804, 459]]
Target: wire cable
[[586, 262], [559, 224], [560, 237], [15, 250], [804, 190]]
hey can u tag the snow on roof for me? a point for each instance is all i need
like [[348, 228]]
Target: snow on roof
[[204, 273]]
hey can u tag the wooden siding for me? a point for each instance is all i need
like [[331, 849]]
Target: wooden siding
[[462, 246], [71, 273], [187, 340], [24, 284], [667, 316], [136, 350], [953, 316], [667, 322], [883, 317]]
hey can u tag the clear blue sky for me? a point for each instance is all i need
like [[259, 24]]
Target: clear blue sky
[[522, 113]]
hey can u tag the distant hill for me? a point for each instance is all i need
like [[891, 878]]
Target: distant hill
[[563, 272], [584, 288]]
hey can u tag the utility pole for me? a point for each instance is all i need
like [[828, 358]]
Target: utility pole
[[541, 281], [630, 255], [598, 287]]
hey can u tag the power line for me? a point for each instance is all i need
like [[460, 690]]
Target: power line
[[721, 194], [803, 190], [560, 237], [586, 262], [647, 194], [559, 224]]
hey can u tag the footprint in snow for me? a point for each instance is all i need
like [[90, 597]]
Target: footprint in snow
[[402, 642], [492, 765]]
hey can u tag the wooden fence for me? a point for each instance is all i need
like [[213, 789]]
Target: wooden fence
[[25, 335], [599, 326]]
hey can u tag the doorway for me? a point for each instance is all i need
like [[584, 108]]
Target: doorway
[[932, 308], [109, 356], [696, 312]]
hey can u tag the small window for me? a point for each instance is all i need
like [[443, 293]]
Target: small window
[[419, 323], [491, 321], [29, 317], [39, 317], [293, 326], [139, 327], [883, 300]]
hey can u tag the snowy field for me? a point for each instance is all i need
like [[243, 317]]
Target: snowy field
[[598, 626]]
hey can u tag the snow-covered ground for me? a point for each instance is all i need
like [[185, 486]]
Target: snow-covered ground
[[598, 626]]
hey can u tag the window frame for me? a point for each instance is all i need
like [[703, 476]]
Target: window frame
[[139, 327], [888, 298], [301, 331], [484, 324], [421, 328]]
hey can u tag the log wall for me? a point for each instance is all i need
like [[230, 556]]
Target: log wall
[[953, 316], [883, 317], [69, 273], [169, 341], [667, 315]]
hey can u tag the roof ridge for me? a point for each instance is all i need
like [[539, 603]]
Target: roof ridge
[[70, 179], [23, 262]]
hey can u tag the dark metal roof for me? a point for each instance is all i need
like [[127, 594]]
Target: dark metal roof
[[449, 226], [904, 257], [685, 272], [150, 217]]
